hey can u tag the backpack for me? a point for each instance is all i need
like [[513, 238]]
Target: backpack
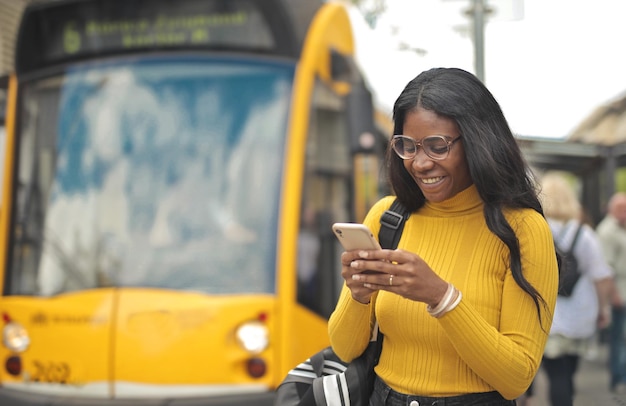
[[569, 273], [324, 379]]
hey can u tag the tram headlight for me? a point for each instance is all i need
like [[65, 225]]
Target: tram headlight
[[15, 337], [253, 336]]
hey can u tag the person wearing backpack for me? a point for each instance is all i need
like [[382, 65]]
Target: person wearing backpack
[[465, 302], [580, 313]]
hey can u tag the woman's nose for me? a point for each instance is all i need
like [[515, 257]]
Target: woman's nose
[[421, 161]]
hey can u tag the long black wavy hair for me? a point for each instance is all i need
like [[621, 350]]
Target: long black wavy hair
[[497, 167]]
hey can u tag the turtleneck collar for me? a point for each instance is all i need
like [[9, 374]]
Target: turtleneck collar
[[465, 202]]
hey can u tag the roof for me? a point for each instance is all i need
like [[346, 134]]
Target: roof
[[606, 125]]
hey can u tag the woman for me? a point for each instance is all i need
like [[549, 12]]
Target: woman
[[465, 302], [576, 317]]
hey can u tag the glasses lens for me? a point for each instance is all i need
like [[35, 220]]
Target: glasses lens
[[435, 147], [405, 147]]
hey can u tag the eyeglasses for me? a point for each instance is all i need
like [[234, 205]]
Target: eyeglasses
[[436, 147]]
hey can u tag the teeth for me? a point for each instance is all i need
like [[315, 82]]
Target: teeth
[[431, 180]]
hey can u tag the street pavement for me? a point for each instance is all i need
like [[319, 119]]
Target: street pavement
[[592, 383]]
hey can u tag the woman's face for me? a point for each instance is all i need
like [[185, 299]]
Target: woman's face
[[439, 180]]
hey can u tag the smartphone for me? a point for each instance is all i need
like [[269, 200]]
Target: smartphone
[[354, 236]]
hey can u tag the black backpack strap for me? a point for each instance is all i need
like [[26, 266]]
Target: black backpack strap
[[392, 224], [571, 247], [573, 244]]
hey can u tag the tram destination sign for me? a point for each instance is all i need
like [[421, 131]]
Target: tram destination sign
[[86, 29]]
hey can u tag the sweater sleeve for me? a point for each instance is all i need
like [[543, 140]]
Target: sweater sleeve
[[508, 356], [350, 324]]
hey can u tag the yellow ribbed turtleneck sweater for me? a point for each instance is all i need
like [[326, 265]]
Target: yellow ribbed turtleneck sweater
[[493, 340]]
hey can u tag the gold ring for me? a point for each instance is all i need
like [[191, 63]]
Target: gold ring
[[390, 280]]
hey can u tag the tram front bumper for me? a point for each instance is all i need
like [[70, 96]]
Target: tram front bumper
[[10, 397]]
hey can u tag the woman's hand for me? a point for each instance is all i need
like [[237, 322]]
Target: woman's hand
[[397, 271], [360, 292]]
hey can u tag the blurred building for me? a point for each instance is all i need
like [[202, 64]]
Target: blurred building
[[595, 151], [606, 125], [10, 12]]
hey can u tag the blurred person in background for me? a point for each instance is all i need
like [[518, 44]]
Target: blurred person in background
[[612, 233], [577, 317]]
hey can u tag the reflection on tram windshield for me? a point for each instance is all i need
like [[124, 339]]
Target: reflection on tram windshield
[[159, 174]]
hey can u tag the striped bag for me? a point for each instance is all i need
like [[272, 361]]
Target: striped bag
[[325, 380]]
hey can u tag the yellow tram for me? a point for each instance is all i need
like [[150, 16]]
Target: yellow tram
[[171, 172]]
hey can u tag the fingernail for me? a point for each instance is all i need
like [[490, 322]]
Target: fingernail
[[363, 254], [356, 277]]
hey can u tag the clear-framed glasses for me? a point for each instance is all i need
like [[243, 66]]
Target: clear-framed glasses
[[436, 147]]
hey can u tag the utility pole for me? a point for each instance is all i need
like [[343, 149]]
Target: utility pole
[[505, 10], [479, 12]]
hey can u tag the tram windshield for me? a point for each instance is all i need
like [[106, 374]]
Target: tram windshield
[[154, 173]]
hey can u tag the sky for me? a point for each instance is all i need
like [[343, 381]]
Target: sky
[[549, 63]]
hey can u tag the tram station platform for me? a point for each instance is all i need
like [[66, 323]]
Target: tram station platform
[[592, 383]]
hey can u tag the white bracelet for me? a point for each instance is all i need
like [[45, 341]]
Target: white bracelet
[[445, 302], [449, 304], [454, 304]]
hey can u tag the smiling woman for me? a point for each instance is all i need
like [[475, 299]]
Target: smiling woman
[[473, 283]]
